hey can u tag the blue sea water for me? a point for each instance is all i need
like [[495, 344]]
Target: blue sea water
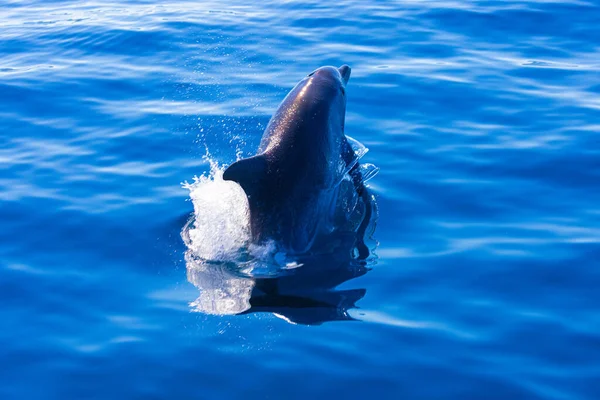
[[483, 116]]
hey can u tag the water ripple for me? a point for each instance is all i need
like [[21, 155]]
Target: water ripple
[[483, 116]]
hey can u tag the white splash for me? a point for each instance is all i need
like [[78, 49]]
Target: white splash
[[221, 258], [220, 227]]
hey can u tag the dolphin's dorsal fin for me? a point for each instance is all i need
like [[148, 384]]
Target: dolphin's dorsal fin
[[249, 173]]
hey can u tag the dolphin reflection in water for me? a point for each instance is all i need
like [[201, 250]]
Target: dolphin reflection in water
[[306, 294]]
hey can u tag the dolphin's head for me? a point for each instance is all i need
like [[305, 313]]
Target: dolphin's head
[[328, 85], [316, 104], [332, 75]]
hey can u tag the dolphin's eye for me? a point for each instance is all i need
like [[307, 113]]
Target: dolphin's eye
[[312, 73], [343, 90]]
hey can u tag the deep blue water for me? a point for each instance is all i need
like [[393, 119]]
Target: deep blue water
[[484, 117]]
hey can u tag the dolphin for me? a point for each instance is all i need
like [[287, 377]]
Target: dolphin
[[293, 182]]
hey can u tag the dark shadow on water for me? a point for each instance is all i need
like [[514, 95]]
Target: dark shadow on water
[[308, 295], [310, 310]]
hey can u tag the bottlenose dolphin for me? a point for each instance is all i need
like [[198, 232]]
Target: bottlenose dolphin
[[293, 182]]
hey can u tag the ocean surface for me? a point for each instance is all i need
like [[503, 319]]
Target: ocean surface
[[483, 117]]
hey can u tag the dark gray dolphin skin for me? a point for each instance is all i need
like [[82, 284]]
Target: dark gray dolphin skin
[[293, 181]]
